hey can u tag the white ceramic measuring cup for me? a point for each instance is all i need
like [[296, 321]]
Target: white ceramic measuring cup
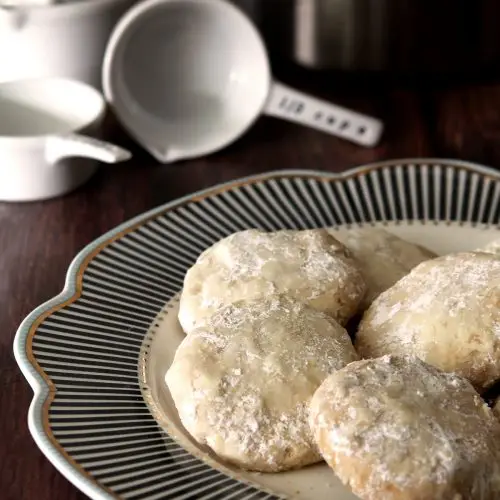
[[188, 77], [42, 150]]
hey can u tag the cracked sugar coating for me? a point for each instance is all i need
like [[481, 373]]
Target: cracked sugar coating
[[310, 266], [446, 312], [242, 383], [491, 247], [395, 428], [383, 257]]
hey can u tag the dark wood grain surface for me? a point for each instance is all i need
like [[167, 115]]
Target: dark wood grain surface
[[39, 240]]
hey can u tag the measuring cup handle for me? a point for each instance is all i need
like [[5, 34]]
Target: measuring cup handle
[[59, 147], [290, 104]]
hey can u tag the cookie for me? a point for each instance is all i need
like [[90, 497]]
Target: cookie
[[446, 312], [310, 266], [383, 257], [396, 428], [243, 381]]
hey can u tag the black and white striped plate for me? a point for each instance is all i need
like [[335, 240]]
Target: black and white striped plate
[[95, 355]]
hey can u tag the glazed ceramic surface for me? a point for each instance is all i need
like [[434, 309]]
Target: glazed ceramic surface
[[66, 39], [44, 147], [96, 355], [189, 77]]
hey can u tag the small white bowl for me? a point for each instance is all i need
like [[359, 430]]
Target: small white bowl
[[42, 151]]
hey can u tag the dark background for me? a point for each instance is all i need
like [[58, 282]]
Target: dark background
[[450, 118]]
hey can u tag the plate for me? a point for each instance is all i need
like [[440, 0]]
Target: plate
[[96, 354]]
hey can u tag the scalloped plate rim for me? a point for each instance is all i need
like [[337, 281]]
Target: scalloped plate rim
[[41, 390]]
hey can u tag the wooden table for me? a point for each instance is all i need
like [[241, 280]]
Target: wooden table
[[39, 240]]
